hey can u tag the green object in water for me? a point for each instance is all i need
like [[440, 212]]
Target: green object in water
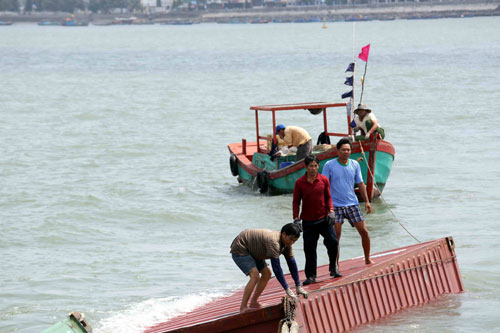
[[75, 323]]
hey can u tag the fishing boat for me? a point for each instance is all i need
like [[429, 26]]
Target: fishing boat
[[74, 24], [48, 23], [253, 162], [178, 22], [259, 165], [258, 21], [70, 22], [124, 20], [399, 279]]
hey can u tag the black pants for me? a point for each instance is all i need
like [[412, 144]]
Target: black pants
[[312, 230]]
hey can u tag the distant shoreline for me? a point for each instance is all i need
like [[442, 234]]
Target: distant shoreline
[[414, 10], [380, 11]]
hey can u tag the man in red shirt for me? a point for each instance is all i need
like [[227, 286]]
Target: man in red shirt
[[318, 217]]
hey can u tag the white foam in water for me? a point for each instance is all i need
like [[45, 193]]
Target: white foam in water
[[140, 316]]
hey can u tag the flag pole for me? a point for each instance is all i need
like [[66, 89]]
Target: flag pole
[[363, 82], [354, 61], [353, 38]]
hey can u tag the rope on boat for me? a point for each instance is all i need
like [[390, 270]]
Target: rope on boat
[[381, 196], [288, 324]]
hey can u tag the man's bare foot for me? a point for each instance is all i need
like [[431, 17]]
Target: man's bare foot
[[255, 305], [369, 261], [244, 309]]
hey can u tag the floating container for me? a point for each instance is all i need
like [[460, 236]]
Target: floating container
[[399, 278]]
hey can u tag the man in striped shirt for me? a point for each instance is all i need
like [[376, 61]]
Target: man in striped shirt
[[249, 251]]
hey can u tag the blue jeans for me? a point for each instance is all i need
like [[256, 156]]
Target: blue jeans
[[246, 263]]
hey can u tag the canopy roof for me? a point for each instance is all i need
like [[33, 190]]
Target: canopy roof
[[297, 106]]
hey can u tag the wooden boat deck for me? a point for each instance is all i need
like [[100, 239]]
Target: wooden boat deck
[[398, 279]]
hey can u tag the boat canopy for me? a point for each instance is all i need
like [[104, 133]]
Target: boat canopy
[[313, 107], [297, 106]]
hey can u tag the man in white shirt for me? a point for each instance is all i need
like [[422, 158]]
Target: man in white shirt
[[367, 123]]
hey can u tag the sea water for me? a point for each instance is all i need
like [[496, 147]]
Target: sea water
[[116, 197]]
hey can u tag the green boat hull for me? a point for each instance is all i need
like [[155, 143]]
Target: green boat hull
[[285, 184]]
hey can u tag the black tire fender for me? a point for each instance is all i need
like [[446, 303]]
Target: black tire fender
[[233, 164], [262, 181]]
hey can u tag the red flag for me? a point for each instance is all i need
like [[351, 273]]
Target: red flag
[[365, 50]]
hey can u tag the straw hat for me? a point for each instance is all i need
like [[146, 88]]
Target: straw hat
[[362, 107]]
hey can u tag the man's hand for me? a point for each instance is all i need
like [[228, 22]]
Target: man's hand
[[301, 291], [331, 219], [290, 294], [299, 223], [368, 207]]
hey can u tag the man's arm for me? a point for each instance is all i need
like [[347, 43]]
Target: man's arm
[[288, 138], [326, 173], [373, 128], [297, 197], [294, 271], [362, 189], [278, 272], [328, 197]]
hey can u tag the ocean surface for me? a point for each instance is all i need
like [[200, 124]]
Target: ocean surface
[[116, 197]]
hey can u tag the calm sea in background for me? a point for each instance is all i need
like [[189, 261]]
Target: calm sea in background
[[116, 197]]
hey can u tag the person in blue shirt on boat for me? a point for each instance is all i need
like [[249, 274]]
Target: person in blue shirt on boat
[[343, 174], [367, 123], [252, 247], [295, 136]]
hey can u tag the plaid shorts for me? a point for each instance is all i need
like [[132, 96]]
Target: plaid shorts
[[351, 213]]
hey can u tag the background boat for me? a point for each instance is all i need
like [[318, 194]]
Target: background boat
[[69, 22], [253, 164], [48, 23]]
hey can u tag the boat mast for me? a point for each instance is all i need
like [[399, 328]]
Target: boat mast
[[351, 100]]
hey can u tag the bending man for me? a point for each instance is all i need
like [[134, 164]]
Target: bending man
[[295, 136], [250, 249]]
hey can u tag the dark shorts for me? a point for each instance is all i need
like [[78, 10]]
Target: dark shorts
[[246, 263], [351, 213], [304, 150]]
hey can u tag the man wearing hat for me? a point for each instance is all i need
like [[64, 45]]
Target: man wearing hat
[[367, 123], [295, 136]]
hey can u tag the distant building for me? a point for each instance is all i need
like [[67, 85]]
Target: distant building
[[215, 4], [157, 6]]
